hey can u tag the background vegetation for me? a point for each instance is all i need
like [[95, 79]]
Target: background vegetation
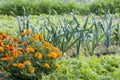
[[36, 7]]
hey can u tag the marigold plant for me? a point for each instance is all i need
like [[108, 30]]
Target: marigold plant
[[28, 58]]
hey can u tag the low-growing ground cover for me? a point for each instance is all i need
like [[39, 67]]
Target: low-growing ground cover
[[88, 68]]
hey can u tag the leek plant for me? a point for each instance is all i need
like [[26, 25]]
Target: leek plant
[[66, 34]]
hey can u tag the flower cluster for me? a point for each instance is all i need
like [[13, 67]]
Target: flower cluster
[[28, 58]]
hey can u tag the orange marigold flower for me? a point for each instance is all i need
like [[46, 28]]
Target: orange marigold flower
[[47, 65], [27, 62], [30, 49], [10, 58], [7, 47], [1, 43], [1, 49], [57, 66], [24, 43], [6, 55], [59, 53], [46, 45], [4, 36], [31, 70], [52, 55], [28, 32], [38, 55], [11, 49], [4, 59], [36, 37], [20, 65], [41, 37], [55, 49], [24, 33], [15, 44], [15, 40], [14, 64], [17, 53]]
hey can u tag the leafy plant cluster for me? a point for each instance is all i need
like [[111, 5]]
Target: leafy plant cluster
[[27, 57], [36, 7], [90, 68], [87, 36]]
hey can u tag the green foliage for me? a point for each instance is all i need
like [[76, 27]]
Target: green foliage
[[15, 7], [5, 26], [101, 6], [64, 36], [90, 68], [36, 7]]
